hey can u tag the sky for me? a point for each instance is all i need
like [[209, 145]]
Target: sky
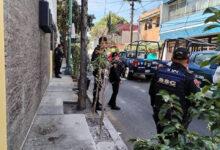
[[101, 7]]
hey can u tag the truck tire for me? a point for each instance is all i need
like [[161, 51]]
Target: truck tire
[[148, 77], [130, 76]]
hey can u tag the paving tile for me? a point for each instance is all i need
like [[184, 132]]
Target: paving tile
[[63, 95], [106, 146], [60, 132]]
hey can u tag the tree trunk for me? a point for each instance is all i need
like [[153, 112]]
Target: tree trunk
[[83, 56]]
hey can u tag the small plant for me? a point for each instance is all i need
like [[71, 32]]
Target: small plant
[[206, 107], [75, 60], [174, 135], [101, 64]]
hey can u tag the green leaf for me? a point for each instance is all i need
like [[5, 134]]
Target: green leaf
[[169, 129], [178, 108], [210, 10], [162, 114], [205, 88], [204, 63], [132, 140], [212, 18], [206, 81], [165, 147], [211, 27], [215, 59]]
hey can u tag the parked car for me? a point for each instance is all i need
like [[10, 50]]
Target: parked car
[[138, 58], [203, 73], [135, 65], [123, 56], [216, 76], [140, 65]]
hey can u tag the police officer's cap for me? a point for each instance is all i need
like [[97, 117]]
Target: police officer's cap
[[180, 53]]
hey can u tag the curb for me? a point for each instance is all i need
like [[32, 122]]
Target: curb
[[119, 143]]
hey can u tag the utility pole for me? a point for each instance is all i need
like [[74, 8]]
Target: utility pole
[[132, 20], [83, 55], [70, 18]]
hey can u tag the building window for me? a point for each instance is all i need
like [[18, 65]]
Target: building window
[[158, 22], [145, 25], [177, 9], [214, 3], [149, 22], [181, 8], [172, 10], [191, 7], [202, 4]]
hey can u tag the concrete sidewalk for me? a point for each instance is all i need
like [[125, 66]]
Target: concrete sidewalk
[[52, 129]]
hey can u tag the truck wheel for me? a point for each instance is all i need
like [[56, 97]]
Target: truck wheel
[[148, 77], [130, 76]]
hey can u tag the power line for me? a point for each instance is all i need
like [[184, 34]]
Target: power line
[[105, 8], [120, 8]]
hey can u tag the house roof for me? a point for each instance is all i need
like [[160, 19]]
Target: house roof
[[168, 1], [126, 27], [149, 14]]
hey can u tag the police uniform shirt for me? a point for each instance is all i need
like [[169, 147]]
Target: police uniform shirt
[[175, 79]]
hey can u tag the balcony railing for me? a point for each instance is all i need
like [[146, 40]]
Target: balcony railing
[[181, 8]]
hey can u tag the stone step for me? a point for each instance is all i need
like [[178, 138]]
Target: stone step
[[106, 146], [51, 107], [60, 132]]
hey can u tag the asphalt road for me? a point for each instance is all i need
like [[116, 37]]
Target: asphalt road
[[134, 120]]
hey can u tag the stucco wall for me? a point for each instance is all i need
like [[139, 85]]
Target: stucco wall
[[27, 51], [150, 34], [153, 33]]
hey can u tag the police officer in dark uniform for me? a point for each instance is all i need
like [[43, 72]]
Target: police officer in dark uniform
[[115, 79], [58, 56], [99, 50], [176, 79]]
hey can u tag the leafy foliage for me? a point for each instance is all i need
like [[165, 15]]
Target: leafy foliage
[[214, 19], [100, 62], [206, 107], [62, 18], [77, 17], [75, 60], [174, 136], [108, 22]]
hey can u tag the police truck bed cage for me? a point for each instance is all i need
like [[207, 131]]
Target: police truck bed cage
[[190, 44], [142, 45]]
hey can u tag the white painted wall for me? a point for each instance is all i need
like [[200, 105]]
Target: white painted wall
[[53, 8]]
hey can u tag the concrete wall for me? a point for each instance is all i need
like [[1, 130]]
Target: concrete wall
[[53, 8], [150, 34], [126, 36], [153, 33], [27, 51]]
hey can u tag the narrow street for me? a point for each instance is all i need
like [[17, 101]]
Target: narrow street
[[135, 117]]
